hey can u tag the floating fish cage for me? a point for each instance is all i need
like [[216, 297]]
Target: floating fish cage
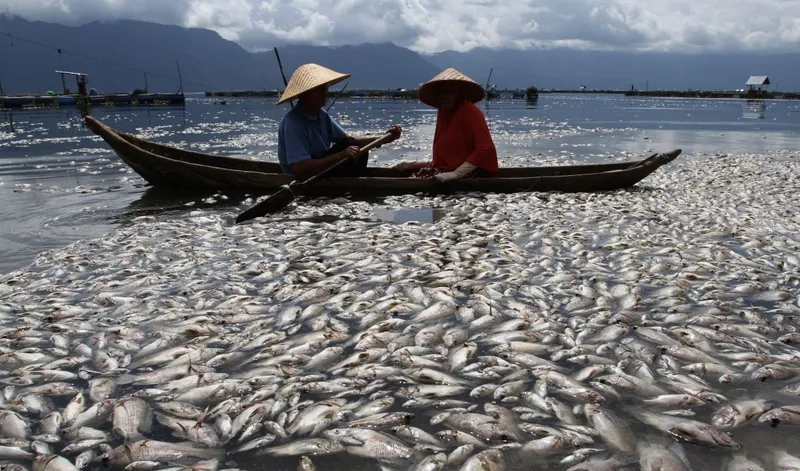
[[112, 99], [243, 93]]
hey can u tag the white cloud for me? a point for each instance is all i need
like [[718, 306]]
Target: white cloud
[[436, 25]]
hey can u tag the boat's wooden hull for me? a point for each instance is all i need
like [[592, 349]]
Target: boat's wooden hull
[[172, 168]]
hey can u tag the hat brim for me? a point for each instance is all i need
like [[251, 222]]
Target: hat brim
[[291, 96], [428, 92]]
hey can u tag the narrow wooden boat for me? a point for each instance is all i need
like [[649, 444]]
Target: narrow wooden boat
[[172, 168]]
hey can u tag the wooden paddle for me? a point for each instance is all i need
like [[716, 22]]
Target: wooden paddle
[[287, 194]]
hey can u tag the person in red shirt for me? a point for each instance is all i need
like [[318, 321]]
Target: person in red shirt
[[462, 144]]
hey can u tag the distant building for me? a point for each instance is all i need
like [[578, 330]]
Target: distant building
[[756, 82]]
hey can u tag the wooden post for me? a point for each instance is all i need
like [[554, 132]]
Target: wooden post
[[11, 119], [146, 88], [64, 84], [180, 77], [285, 82], [2, 92]]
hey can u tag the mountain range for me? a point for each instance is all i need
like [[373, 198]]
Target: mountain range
[[116, 54]]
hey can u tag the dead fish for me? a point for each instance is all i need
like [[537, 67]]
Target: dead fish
[[655, 457], [308, 446], [611, 428], [784, 415], [13, 426], [740, 462], [370, 444], [487, 460], [434, 462], [739, 413], [305, 464], [686, 430], [132, 418], [52, 463], [153, 450]]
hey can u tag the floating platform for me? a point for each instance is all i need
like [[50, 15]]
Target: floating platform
[[400, 93], [107, 99], [244, 93], [751, 95]]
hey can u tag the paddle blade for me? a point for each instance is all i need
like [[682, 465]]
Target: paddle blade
[[273, 204]]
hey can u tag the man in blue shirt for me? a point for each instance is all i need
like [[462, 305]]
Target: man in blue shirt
[[309, 140]]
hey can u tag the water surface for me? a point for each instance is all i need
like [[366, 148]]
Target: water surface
[[60, 183]]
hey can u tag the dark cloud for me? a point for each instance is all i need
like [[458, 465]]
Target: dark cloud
[[436, 25]]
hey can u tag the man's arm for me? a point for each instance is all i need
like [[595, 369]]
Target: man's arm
[[306, 169], [298, 153], [396, 130]]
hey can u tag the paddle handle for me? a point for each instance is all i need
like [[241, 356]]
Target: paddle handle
[[287, 194], [377, 142]]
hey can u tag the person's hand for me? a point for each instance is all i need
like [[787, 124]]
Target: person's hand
[[396, 131], [349, 152], [447, 176]]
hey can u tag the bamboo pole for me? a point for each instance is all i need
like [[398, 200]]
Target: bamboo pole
[[285, 82]]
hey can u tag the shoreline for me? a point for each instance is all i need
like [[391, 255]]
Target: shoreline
[[519, 94]]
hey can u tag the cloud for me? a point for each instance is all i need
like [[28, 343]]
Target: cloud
[[435, 25]]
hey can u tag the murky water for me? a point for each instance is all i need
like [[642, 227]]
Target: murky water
[[402, 285], [60, 183]]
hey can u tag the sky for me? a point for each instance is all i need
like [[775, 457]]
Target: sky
[[429, 26]]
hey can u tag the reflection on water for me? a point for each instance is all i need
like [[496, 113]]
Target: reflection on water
[[400, 216], [754, 109]]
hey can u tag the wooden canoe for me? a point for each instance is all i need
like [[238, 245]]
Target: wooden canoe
[[177, 169]]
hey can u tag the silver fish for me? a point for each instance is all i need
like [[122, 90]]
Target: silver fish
[[309, 446], [655, 457], [52, 463], [784, 415], [740, 413], [315, 418], [13, 426], [612, 429], [686, 430], [14, 453], [434, 462], [487, 460], [740, 462], [784, 461], [132, 418], [153, 450], [370, 444], [305, 464]]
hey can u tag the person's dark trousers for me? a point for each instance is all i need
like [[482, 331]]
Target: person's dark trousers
[[351, 168]]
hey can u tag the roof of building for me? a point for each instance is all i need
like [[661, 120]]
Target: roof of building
[[70, 73], [758, 80]]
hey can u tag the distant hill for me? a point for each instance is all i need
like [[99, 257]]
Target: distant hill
[[207, 61], [210, 62], [570, 69], [373, 66], [205, 57]]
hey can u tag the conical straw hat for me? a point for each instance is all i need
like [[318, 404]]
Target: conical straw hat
[[309, 76], [471, 90]]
